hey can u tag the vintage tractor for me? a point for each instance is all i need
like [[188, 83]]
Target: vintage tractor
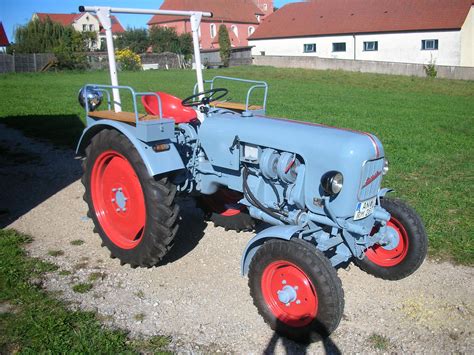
[[317, 189]]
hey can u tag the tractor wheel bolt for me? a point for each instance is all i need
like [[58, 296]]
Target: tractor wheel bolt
[[296, 287], [113, 200], [298, 301], [288, 304], [284, 282], [114, 189], [124, 209], [118, 209]]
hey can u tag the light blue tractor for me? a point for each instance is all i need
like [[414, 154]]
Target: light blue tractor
[[316, 190]]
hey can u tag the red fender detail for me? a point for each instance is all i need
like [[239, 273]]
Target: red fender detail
[[171, 107]]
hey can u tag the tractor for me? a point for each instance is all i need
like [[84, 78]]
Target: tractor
[[315, 190]]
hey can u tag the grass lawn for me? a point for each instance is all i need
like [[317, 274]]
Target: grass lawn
[[426, 125], [33, 321]]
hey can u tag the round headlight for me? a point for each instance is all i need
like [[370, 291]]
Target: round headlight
[[93, 97], [385, 167], [332, 182]]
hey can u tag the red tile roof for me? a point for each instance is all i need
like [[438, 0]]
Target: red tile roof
[[3, 37], [239, 11], [328, 17], [68, 19], [63, 19]]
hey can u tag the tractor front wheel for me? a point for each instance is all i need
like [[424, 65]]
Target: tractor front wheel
[[407, 256], [134, 213], [296, 290]]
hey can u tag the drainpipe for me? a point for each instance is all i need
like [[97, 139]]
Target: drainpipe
[[354, 36]]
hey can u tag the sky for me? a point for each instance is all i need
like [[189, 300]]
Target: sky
[[19, 12]]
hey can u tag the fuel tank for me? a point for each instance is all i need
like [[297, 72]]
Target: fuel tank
[[357, 155]]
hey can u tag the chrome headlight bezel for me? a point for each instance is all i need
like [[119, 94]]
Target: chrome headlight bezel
[[92, 96], [332, 182], [385, 166]]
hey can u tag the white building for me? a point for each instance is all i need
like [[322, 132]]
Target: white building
[[82, 22], [407, 31]]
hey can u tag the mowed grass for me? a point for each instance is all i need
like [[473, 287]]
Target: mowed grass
[[32, 321], [426, 127]]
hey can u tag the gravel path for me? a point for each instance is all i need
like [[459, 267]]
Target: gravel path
[[197, 295]]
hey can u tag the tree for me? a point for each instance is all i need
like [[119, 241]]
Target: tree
[[38, 36], [136, 39], [164, 39], [46, 36], [224, 45]]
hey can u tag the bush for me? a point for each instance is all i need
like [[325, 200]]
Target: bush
[[128, 59], [430, 70]]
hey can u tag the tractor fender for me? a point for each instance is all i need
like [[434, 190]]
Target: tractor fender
[[155, 162], [275, 232]]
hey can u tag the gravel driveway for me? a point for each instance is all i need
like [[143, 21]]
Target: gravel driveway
[[197, 295]]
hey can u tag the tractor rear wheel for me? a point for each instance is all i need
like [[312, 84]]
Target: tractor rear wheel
[[406, 257], [134, 213], [223, 209], [296, 290]]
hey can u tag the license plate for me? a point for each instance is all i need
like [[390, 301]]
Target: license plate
[[365, 208]]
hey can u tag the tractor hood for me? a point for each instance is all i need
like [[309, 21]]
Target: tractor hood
[[322, 148]]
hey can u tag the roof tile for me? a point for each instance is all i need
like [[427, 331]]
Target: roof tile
[[242, 11], [329, 17]]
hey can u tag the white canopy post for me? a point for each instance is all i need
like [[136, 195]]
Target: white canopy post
[[103, 13], [195, 22]]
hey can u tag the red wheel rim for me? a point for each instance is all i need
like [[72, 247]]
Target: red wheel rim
[[387, 258], [300, 311], [118, 199]]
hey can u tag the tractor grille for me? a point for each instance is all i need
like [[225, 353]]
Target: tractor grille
[[371, 179]]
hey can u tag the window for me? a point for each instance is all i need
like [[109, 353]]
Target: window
[[429, 44], [339, 47], [84, 27], [310, 48], [91, 27], [251, 30], [258, 18], [235, 30], [262, 53], [371, 46], [213, 30], [265, 7]]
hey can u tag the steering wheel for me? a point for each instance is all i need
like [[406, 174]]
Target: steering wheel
[[207, 97]]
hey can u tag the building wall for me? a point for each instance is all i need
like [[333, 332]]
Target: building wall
[[86, 19], [392, 47], [467, 40], [206, 40]]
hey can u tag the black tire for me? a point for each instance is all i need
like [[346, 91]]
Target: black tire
[[160, 210], [415, 250], [317, 269], [214, 208]]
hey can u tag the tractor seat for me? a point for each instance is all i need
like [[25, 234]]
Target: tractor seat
[[171, 107]]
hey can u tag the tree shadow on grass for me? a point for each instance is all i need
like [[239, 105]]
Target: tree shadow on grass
[[32, 170]]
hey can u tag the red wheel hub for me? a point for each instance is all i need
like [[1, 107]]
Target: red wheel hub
[[289, 293], [118, 199], [387, 258]]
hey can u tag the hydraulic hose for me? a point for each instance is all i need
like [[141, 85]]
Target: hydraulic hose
[[253, 200]]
